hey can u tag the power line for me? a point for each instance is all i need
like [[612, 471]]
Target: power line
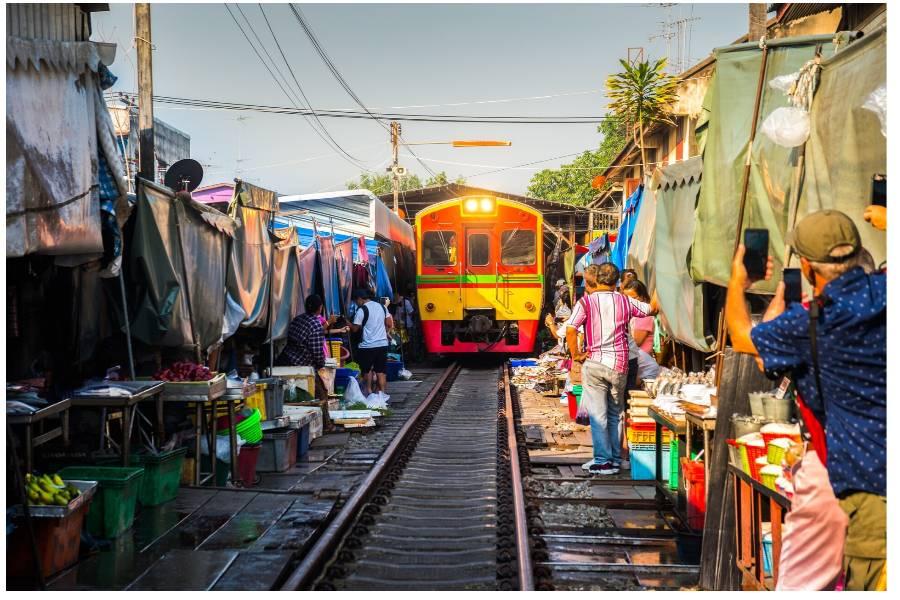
[[340, 113], [331, 144]]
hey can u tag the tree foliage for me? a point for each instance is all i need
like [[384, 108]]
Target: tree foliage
[[571, 182], [383, 184], [640, 95]]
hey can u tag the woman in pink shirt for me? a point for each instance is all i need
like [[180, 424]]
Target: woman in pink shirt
[[642, 328]]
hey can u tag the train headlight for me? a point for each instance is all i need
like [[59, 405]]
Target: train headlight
[[429, 307], [529, 307], [471, 205], [487, 205]]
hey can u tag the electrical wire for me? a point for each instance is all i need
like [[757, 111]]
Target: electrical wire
[[305, 112]]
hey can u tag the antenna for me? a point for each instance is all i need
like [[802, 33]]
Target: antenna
[[239, 160], [635, 55], [676, 32]]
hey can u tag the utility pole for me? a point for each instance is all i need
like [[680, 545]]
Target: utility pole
[[395, 167], [757, 27], [145, 90]]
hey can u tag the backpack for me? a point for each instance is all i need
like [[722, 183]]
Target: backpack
[[357, 338]]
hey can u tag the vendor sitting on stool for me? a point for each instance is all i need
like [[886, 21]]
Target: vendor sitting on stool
[[306, 348]]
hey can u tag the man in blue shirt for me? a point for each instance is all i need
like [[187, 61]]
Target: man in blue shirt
[[849, 398]]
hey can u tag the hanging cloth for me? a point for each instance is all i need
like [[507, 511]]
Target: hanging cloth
[[362, 251], [630, 213]]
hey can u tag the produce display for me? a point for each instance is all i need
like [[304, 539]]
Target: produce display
[[49, 490], [184, 371]]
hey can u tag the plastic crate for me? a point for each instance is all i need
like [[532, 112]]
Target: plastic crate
[[162, 474], [393, 369], [278, 451], [112, 511], [643, 462], [58, 541], [257, 400], [695, 487], [645, 433], [767, 554], [676, 449]]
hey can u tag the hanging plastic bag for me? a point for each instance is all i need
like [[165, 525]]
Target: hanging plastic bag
[[877, 103], [787, 126], [783, 83], [352, 393], [405, 374], [582, 417], [223, 447]]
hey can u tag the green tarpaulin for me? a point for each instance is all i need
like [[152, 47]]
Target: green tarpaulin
[[161, 314], [724, 127], [675, 188], [846, 146]]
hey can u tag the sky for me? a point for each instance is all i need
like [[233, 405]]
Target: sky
[[462, 58]]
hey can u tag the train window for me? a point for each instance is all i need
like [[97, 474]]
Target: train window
[[518, 247], [438, 248], [479, 250]]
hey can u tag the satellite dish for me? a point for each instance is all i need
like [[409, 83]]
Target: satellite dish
[[185, 175]]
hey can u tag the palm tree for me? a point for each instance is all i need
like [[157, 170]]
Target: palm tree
[[640, 95]]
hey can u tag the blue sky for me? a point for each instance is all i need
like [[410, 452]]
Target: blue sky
[[398, 55]]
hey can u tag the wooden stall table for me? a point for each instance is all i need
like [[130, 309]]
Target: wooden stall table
[[706, 424], [678, 429], [132, 393], [205, 397], [28, 421], [753, 502]]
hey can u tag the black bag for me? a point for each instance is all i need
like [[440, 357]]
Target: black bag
[[356, 336]]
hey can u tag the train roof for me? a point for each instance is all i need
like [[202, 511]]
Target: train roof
[[458, 199]]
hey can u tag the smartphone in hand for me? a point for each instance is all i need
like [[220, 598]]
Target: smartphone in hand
[[793, 292], [879, 190], [756, 254]]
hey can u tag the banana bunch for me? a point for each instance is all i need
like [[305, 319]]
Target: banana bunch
[[49, 490]]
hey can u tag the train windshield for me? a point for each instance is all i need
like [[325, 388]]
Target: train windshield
[[518, 247], [438, 248], [479, 249]]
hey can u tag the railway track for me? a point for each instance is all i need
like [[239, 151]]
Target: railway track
[[443, 507]]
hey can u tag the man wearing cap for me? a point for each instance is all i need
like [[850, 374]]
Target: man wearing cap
[[843, 383]]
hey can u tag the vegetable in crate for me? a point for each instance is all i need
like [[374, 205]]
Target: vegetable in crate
[[184, 371]]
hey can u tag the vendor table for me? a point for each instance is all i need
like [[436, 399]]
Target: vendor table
[[138, 392], [678, 429], [205, 399], [59, 409], [753, 502], [706, 425]]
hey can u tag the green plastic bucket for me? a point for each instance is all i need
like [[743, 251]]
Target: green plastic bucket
[[162, 475], [112, 511]]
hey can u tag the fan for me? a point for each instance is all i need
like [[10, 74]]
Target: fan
[[185, 175]]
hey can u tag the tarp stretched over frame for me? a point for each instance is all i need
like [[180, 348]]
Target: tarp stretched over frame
[[287, 293], [343, 255], [724, 127], [845, 146]]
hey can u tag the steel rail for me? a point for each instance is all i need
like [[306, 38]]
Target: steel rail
[[523, 548], [323, 550]]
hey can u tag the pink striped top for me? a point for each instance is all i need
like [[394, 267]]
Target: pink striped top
[[606, 316]]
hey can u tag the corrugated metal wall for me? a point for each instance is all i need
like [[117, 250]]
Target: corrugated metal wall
[[61, 22]]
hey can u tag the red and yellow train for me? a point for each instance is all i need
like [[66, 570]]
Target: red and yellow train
[[479, 274]]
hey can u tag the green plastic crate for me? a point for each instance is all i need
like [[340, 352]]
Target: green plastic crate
[[162, 475], [112, 511], [674, 463]]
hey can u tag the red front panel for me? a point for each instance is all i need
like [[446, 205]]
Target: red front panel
[[432, 330]]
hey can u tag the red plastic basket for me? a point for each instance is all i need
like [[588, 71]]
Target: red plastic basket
[[768, 437], [754, 452]]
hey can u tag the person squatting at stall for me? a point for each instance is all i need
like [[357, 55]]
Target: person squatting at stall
[[306, 348], [375, 323], [835, 353], [606, 315]]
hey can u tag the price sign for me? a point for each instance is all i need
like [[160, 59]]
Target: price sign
[[783, 388]]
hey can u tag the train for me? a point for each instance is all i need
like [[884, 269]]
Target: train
[[479, 275]]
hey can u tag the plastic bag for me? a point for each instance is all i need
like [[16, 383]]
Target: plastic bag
[[877, 103], [223, 449], [352, 393], [405, 374], [582, 417], [787, 126], [783, 83], [377, 400]]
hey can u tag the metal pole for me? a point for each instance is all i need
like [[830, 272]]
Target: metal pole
[[145, 90], [395, 141], [127, 324], [271, 285]]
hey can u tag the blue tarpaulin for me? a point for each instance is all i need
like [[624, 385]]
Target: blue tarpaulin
[[619, 254], [383, 287], [307, 238]]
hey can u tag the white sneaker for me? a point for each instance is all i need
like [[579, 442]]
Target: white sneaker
[[586, 466]]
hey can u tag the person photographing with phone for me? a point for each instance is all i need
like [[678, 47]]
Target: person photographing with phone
[[835, 354]]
